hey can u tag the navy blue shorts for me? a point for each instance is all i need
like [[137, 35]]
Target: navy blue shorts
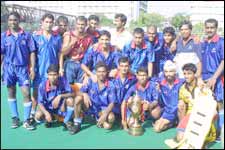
[[13, 74]]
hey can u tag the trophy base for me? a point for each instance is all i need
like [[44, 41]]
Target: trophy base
[[136, 131]]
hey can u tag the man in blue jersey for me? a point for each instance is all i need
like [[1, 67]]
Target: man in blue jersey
[[48, 45], [123, 81], [18, 52], [101, 51], [168, 96], [54, 95], [139, 52], [148, 94], [213, 65], [97, 99], [166, 53]]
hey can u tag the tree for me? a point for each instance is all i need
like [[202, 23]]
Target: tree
[[105, 21], [198, 29], [177, 19], [146, 19]]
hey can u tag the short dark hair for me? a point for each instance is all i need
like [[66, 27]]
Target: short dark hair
[[62, 19], [105, 32], [93, 17], [142, 69], [212, 20], [139, 30], [82, 18], [53, 68], [101, 64], [14, 13], [122, 17], [190, 66], [123, 60], [47, 16], [186, 22], [169, 30]]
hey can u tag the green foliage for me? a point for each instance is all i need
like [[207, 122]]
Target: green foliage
[[146, 19], [104, 21], [177, 19], [198, 29]]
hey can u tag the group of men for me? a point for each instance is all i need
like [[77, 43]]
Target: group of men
[[88, 71]]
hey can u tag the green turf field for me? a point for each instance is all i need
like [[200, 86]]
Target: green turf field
[[89, 137]]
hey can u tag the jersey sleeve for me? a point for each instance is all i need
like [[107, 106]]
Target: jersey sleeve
[[129, 93], [86, 88], [31, 43], [2, 43]]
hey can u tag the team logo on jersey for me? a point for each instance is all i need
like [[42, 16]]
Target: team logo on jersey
[[26, 82], [213, 50], [127, 86], [105, 94], [23, 42], [190, 47], [40, 42], [92, 91]]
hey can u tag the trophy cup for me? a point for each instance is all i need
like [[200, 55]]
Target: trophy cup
[[136, 129]]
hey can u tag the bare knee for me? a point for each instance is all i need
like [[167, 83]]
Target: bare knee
[[107, 125], [39, 115], [181, 106], [111, 117], [12, 92], [69, 102], [78, 100], [156, 113]]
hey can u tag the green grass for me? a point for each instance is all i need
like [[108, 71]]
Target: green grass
[[89, 137]]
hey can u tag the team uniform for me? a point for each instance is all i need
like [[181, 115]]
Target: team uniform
[[16, 51], [188, 98], [100, 98], [149, 94], [139, 57], [157, 46], [95, 55], [121, 89], [47, 53], [95, 35], [168, 99], [213, 54], [46, 95], [189, 53], [72, 65], [161, 57]]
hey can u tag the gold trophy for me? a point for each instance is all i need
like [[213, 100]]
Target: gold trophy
[[136, 129]]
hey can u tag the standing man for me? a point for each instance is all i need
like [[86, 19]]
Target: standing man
[[18, 52], [62, 23], [48, 45], [213, 66], [139, 52], [188, 51], [120, 36], [93, 23], [75, 45]]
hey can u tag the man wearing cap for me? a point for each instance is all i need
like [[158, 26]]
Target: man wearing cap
[[168, 96]]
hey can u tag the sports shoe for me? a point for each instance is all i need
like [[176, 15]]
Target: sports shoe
[[48, 124], [15, 122], [28, 125], [72, 128]]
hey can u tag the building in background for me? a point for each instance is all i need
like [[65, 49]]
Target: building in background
[[198, 11], [108, 8]]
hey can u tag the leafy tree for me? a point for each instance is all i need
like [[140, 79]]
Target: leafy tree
[[146, 19], [177, 19], [104, 21], [198, 29]]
